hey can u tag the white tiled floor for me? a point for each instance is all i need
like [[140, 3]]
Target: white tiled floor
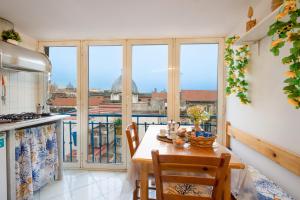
[[85, 185]]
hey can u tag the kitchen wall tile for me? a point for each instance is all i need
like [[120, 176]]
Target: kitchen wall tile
[[22, 92]]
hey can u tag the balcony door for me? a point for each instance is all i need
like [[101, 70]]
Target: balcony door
[[64, 95], [104, 144], [150, 72], [199, 81]]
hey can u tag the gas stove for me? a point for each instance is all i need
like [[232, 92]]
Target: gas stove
[[10, 118]]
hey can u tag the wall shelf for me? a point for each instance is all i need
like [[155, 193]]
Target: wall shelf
[[259, 31]]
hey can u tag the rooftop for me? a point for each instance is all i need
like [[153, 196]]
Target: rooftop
[[187, 95]]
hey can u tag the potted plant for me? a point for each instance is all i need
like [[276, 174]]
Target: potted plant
[[197, 114], [118, 126], [11, 36]]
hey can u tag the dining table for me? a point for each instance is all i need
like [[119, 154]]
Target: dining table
[[143, 158]]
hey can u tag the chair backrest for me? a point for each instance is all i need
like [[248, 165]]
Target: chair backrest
[[209, 172], [132, 138]]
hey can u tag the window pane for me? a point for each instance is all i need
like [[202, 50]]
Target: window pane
[[63, 92], [105, 104], [150, 83], [198, 80]]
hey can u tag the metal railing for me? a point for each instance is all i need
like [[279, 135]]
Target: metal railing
[[104, 143]]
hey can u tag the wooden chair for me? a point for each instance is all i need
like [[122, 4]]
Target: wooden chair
[[132, 138], [203, 172], [133, 143]]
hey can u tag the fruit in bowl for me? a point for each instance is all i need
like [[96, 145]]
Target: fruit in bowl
[[178, 143], [181, 132]]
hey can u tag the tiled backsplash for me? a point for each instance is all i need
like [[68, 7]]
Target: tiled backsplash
[[22, 92]]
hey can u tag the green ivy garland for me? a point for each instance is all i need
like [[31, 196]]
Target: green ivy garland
[[287, 30], [237, 60]]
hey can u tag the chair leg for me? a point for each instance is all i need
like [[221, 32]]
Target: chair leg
[[135, 194]]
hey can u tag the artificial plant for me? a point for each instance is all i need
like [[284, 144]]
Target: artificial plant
[[10, 34], [236, 61], [286, 30], [118, 126], [118, 122]]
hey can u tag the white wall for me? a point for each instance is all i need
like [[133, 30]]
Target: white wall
[[261, 9], [22, 87], [27, 41], [269, 116]]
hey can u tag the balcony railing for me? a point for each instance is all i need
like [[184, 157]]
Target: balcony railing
[[104, 136]]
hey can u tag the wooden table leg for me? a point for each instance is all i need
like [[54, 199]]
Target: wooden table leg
[[144, 181], [227, 189]]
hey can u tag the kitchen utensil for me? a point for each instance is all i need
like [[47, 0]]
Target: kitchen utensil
[[173, 126], [3, 88]]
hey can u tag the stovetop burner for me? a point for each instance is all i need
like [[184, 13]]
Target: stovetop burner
[[18, 117]]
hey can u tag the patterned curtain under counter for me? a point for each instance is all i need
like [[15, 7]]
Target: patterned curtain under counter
[[36, 158]]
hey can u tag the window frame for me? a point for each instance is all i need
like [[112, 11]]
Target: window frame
[[44, 80], [85, 105], [221, 104], [170, 78]]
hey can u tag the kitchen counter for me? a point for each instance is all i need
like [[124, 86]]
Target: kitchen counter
[[22, 124], [10, 129]]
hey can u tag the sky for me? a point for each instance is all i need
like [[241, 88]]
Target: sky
[[198, 66]]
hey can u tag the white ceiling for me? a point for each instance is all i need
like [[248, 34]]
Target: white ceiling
[[106, 19]]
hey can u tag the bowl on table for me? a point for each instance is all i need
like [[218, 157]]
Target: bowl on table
[[178, 143]]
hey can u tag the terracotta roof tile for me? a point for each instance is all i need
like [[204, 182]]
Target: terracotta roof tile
[[199, 95], [61, 101], [159, 95], [191, 95], [71, 101]]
